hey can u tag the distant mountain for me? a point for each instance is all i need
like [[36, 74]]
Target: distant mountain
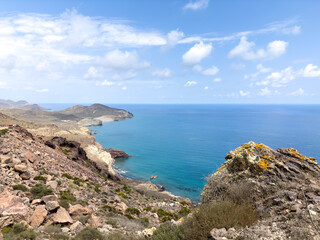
[[97, 110], [20, 105]]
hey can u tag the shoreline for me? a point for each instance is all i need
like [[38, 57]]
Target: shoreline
[[147, 184]]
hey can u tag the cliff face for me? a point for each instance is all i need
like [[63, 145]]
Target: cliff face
[[283, 185]]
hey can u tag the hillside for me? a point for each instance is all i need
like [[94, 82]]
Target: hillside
[[85, 116], [59, 190], [20, 104]]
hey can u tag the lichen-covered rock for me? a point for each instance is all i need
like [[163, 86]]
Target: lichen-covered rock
[[282, 184]]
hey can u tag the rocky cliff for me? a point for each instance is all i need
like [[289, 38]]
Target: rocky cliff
[[283, 185], [52, 188]]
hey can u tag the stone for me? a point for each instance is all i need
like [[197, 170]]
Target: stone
[[52, 205], [25, 176], [12, 205], [65, 230], [121, 207], [38, 216], [94, 221], [218, 234], [36, 201], [21, 168], [49, 198], [30, 156], [52, 184], [78, 210], [76, 227], [62, 216]]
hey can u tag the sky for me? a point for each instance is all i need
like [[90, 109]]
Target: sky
[[168, 51]]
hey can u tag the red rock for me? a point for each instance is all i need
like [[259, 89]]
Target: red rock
[[38, 216]]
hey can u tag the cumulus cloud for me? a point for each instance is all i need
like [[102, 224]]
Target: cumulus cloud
[[197, 5], [123, 60], [107, 83], [197, 53], [244, 93], [245, 50], [264, 92], [173, 39], [206, 88], [190, 83], [163, 73], [207, 72], [311, 71]]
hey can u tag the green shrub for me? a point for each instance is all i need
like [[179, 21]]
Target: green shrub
[[38, 191], [20, 187], [19, 231], [84, 219], [67, 195], [117, 236], [40, 178], [122, 194], [148, 209], [184, 211], [54, 232], [89, 233], [66, 175], [145, 220], [65, 151], [133, 211], [3, 131], [112, 222], [117, 190], [126, 189], [78, 181], [129, 216], [168, 231], [166, 216], [183, 203], [64, 203]]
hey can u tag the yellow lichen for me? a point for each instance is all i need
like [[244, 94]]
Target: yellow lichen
[[296, 154], [264, 164]]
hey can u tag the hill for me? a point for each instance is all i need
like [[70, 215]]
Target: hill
[[20, 104]]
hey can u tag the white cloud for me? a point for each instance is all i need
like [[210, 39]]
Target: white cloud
[[164, 73], [264, 92], [107, 83], [311, 71], [123, 60], [3, 85], [206, 88], [299, 92], [243, 93], [211, 71], [197, 5], [245, 50], [217, 80], [190, 83], [44, 90], [124, 88], [207, 72], [281, 78], [197, 53], [93, 73], [173, 38], [238, 66]]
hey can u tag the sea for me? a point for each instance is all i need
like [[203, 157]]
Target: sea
[[183, 144]]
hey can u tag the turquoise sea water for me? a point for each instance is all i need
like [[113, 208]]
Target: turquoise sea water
[[182, 144]]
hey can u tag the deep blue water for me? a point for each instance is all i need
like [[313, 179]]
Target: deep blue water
[[182, 144]]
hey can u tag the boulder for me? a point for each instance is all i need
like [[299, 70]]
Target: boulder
[[49, 198], [78, 210], [76, 227], [52, 205], [21, 168], [38, 216], [25, 175], [62, 216]]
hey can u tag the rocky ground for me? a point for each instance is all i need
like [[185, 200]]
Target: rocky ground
[[53, 183], [283, 186]]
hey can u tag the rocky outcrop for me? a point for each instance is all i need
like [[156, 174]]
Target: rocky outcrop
[[282, 184], [115, 153]]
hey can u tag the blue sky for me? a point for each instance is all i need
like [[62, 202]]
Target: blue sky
[[143, 51]]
